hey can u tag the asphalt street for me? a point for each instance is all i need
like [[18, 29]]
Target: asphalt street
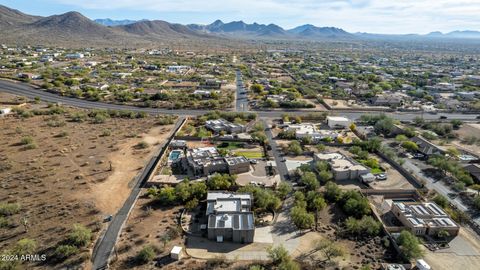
[[242, 99], [28, 91], [276, 153]]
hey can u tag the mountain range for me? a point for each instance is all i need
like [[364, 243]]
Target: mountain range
[[72, 28]]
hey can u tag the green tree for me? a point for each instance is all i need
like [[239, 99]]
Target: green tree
[[221, 181], [309, 179], [410, 146], [283, 189], [257, 88], [409, 245], [295, 148], [332, 192], [80, 236], [441, 201], [301, 218]]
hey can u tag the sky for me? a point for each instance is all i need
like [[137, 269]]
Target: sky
[[372, 16]]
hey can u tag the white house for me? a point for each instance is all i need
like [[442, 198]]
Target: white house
[[338, 122]]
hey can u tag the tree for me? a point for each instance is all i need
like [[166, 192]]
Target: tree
[[366, 226], [353, 127], [283, 189], [476, 202], [301, 218], [146, 254], [410, 146], [220, 181], [385, 126], [332, 192], [456, 123], [330, 249], [278, 254], [318, 203], [409, 245], [295, 148], [280, 257], [325, 176], [309, 179], [441, 201], [401, 138], [257, 88]]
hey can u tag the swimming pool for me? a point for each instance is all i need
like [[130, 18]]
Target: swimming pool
[[174, 155]]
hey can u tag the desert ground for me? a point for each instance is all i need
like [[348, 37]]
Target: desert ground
[[61, 172]]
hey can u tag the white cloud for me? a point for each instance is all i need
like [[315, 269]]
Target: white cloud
[[385, 16]]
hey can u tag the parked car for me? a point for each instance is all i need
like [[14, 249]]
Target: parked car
[[108, 218], [381, 176], [253, 161], [418, 155], [443, 117]]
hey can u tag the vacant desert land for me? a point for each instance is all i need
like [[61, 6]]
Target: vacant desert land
[[62, 172]]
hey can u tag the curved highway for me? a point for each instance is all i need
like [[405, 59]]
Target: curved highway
[[26, 90]]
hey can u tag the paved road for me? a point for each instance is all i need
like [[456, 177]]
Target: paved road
[[439, 186], [28, 91], [276, 152], [242, 99], [105, 245]]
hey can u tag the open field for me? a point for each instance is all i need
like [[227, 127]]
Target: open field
[[62, 172]]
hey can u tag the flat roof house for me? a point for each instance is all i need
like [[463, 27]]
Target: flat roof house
[[220, 125], [309, 130], [338, 122], [206, 160], [343, 168], [424, 218], [230, 217]]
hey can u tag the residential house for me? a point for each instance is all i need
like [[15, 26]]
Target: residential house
[[474, 171], [342, 167], [338, 122], [424, 218], [427, 148], [230, 217], [387, 100], [206, 160], [306, 130], [219, 125]]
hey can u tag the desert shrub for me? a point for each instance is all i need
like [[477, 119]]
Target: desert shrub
[[146, 254], [26, 140], [78, 117], [64, 251], [8, 209], [80, 235], [141, 145], [106, 133]]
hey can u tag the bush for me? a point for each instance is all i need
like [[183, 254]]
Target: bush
[[146, 254], [8, 209], [26, 140], [64, 251], [78, 117], [106, 133], [142, 145], [25, 246], [80, 236]]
